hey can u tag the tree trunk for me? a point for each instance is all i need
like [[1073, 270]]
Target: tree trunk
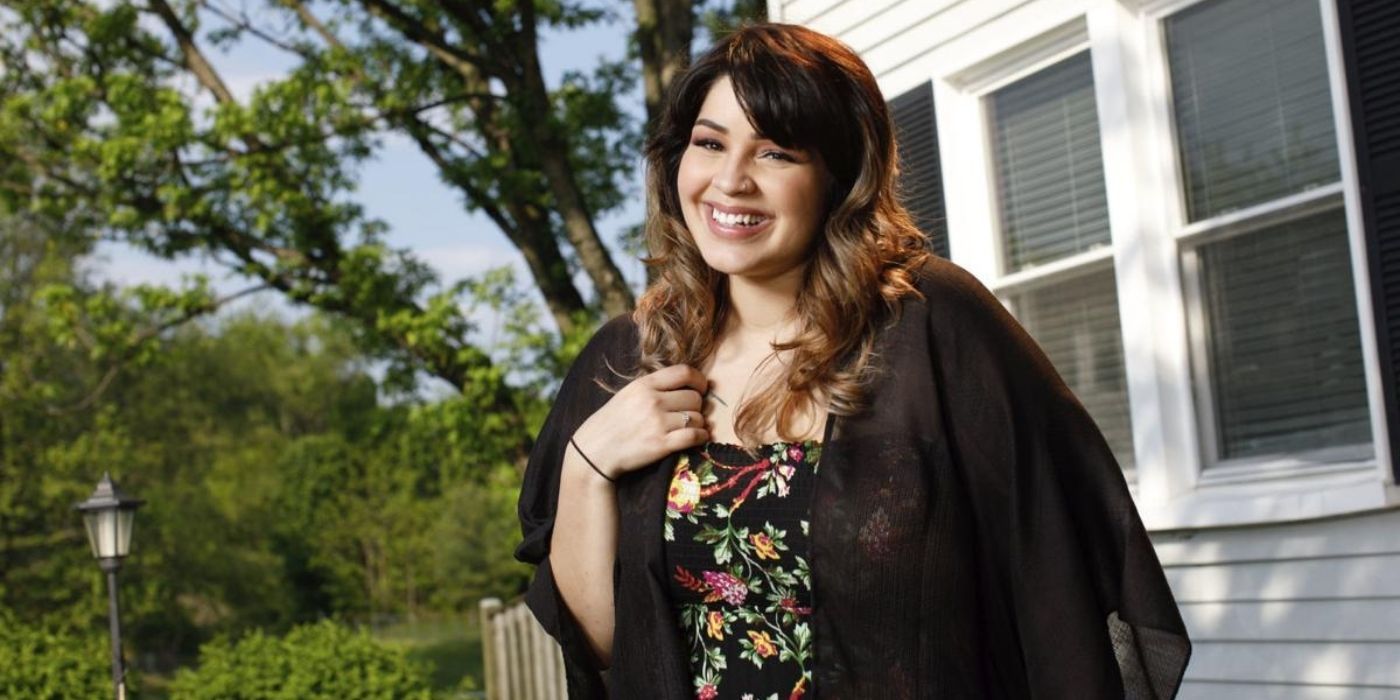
[[548, 267], [665, 29], [552, 148]]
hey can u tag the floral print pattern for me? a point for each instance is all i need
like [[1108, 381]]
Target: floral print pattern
[[735, 534]]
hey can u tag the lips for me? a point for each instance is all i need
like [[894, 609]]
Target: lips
[[735, 223]]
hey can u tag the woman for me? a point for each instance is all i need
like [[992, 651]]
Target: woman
[[817, 461]]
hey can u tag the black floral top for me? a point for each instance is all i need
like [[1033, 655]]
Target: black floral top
[[736, 546]]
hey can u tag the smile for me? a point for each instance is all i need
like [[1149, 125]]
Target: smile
[[737, 219], [736, 224]]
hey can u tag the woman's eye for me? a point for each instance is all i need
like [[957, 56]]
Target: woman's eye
[[707, 144], [779, 155]]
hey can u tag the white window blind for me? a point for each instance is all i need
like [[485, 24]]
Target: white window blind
[[1049, 173], [1076, 322], [1049, 165], [1253, 110], [1277, 345], [1285, 351]]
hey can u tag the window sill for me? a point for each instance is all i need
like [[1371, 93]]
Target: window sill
[[1278, 500]]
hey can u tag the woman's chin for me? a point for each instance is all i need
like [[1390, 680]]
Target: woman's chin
[[728, 264]]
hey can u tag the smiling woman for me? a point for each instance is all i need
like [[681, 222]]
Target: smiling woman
[[817, 460], [752, 207]]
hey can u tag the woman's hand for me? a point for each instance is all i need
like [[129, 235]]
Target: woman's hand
[[653, 416]]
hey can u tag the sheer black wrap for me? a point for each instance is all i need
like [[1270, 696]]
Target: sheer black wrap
[[972, 535]]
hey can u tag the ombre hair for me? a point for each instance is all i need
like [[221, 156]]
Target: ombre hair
[[802, 90]]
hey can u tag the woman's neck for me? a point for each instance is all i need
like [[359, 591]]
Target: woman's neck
[[763, 310]]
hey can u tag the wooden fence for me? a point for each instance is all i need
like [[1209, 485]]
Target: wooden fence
[[522, 661]]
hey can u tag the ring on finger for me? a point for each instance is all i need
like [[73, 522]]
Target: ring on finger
[[685, 420]]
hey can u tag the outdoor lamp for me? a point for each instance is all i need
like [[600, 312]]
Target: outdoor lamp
[[108, 514]]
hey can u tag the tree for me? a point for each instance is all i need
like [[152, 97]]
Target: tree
[[118, 108]]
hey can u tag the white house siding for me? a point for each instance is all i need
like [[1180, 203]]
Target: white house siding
[[916, 34], [1299, 610], [1280, 603]]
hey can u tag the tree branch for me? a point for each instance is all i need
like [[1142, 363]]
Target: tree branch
[[458, 60], [552, 149], [243, 23], [194, 58], [140, 339]]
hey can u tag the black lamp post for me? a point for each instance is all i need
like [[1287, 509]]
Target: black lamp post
[[108, 514]]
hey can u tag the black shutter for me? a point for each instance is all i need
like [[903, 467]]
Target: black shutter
[[921, 178], [1372, 52]]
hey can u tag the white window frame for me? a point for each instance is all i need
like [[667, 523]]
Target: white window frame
[[1060, 44], [1147, 216], [1317, 484]]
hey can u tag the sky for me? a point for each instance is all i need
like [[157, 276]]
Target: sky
[[401, 187]]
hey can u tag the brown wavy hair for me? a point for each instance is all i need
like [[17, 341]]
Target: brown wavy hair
[[803, 90]]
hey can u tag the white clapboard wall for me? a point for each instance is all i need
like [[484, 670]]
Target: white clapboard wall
[[904, 35], [522, 662], [1300, 610]]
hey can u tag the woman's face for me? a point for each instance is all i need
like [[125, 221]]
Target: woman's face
[[752, 207]]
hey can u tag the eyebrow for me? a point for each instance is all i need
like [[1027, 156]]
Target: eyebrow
[[706, 122], [725, 130]]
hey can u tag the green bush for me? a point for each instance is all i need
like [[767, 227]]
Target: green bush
[[45, 664], [322, 660]]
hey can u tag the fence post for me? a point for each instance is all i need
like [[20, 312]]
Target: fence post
[[489, 607], [521, 660]]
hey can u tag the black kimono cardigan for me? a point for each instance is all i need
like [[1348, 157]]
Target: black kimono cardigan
[[971, 534]]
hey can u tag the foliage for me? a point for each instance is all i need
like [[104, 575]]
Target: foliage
[[120, 109], [474, 537], [282, 483], [318, 661], [721, 19], [39, 663]]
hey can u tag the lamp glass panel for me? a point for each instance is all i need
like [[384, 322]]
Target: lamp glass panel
[[125, 519], [104, 525], [90, 519]]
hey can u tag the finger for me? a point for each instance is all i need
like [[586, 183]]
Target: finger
[[685, 438], [678, 376], [681, 420], [681, 400]]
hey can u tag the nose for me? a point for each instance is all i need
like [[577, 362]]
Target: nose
[[733, 175]]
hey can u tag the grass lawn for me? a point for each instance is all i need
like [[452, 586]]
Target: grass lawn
[[451, 645]]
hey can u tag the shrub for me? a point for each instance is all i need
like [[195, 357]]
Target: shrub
[[312, 662], [46, 664]]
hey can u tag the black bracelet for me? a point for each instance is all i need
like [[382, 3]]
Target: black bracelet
[[590, 462]]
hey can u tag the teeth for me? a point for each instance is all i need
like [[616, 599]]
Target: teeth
[[737, 219]]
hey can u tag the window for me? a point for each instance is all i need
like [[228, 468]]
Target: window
[[1076, 324], [1053, 210], [1252, 105], [1276, 351], [1284, 357], [1049, 165]]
